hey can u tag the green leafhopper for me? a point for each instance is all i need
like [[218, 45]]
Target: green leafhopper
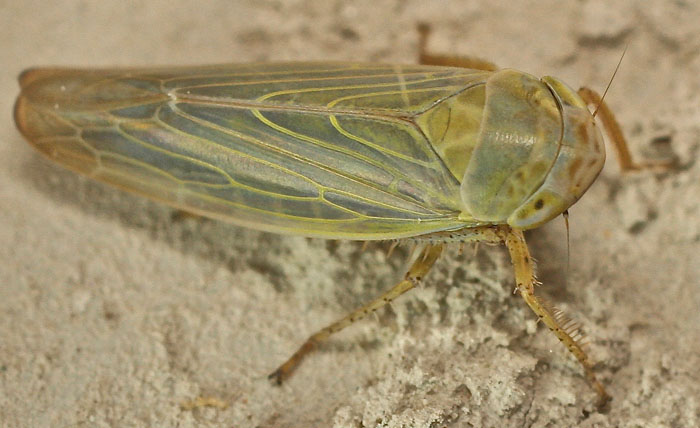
[[452, 150]]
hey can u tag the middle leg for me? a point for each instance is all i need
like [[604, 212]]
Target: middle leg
[[427, 58]]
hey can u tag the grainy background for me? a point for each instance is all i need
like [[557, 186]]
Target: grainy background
[[114, 314]]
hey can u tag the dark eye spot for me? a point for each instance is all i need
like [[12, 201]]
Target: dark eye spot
[[539, 204]]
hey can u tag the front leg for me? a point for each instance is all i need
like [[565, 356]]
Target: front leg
[[567, 332], [615, 136]]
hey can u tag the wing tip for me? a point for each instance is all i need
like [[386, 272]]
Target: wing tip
[[24, 102], [33, 74], [20, 114]]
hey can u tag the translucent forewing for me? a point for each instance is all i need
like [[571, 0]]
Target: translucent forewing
[[316, 149]]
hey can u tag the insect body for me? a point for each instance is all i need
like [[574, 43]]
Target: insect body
[[328, 150], [333, 150]]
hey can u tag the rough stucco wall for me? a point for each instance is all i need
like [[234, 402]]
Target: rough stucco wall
[[113, 314]]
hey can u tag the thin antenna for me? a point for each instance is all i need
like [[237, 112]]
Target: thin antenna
[[565, 214], [611, 80]]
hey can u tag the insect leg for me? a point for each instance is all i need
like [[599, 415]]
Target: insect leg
[[420, 267], [612, 128], [427, 58], [525, 283]]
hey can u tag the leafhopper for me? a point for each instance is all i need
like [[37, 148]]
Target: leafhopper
[[452, 150]]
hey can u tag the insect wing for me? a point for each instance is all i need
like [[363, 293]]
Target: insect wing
[[314, 149]]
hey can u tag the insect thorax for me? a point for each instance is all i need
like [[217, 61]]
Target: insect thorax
[[524, 149]]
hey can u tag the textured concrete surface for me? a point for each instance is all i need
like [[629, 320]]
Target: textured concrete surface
[[114, 314]]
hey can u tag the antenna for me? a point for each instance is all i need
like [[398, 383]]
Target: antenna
[[611, 80], [565, 214]]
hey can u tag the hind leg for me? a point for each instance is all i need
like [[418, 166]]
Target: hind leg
[[416, 272]]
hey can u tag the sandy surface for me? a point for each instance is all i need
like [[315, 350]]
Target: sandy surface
[[114, 314]]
